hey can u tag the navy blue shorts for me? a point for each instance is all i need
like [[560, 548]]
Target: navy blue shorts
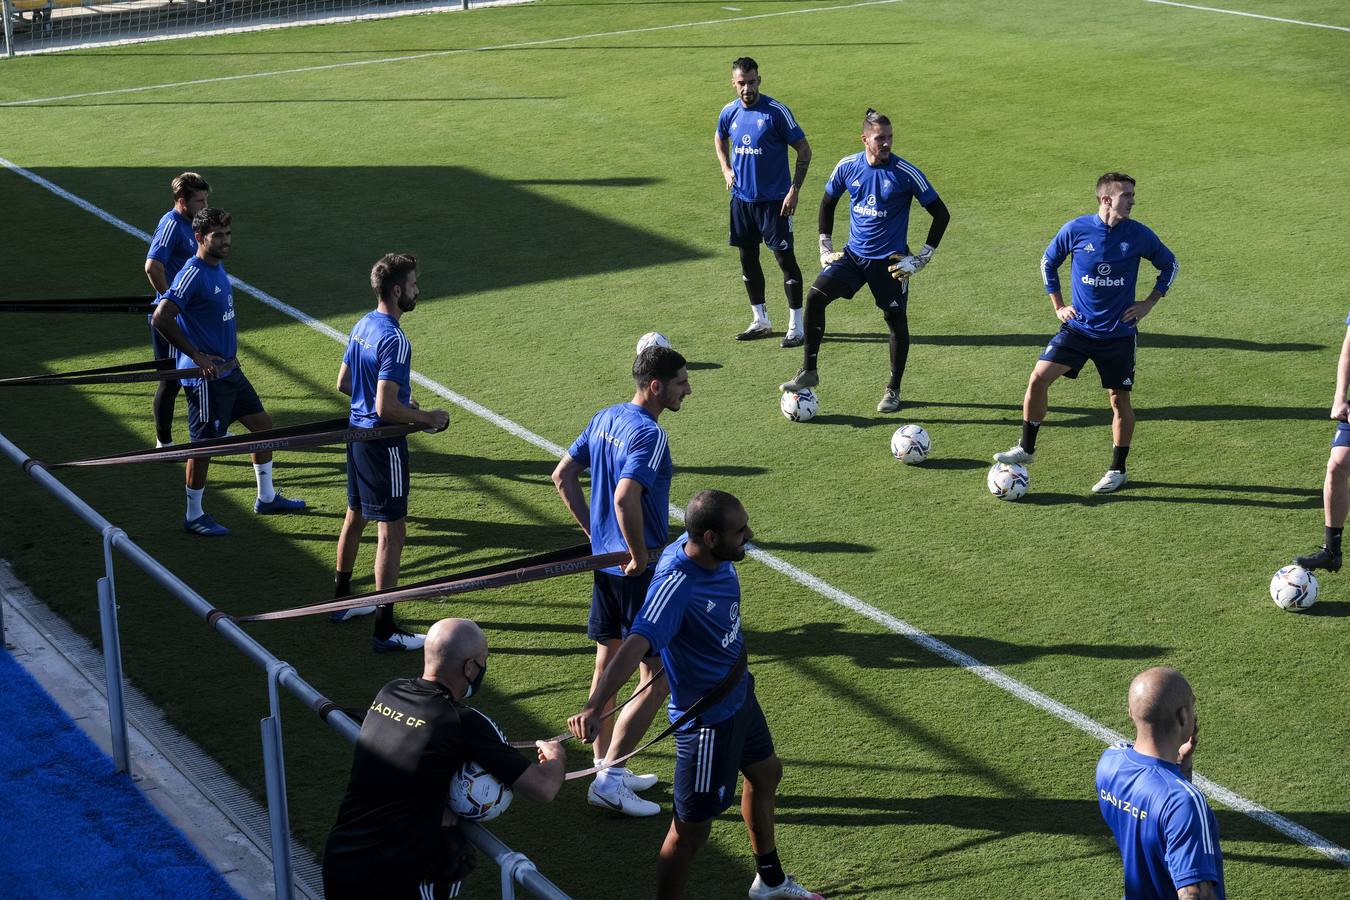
[[1113, 357], [763, 220], [377, 479], [708, 758], [214, 403], [160, 346], [615, 601], [1342, 436], [851, 272]]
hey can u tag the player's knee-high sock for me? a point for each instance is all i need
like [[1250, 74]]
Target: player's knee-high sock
[[898, 324], [816, 301], [752, 273], [384, 621], [342, 584], [165, 395], [1118, 455], [792, 287], [1333, 539]]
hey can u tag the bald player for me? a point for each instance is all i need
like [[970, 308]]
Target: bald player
[[394, 835], [1167, 834]]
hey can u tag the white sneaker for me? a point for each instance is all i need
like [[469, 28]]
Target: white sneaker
[[638, 782], [1111, 481], [790, 888], [622, 800], [399, 640], [1015, 456]]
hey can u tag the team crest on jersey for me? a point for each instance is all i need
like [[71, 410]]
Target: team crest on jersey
[[1124, 247], [761, 122]]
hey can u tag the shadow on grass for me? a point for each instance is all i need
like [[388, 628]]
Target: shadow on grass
[[816, 546], [1090, 416], [1147, 339], [1300, 498]]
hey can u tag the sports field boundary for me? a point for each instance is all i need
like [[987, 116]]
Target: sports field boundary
[[1249, 15], [1298, 833]]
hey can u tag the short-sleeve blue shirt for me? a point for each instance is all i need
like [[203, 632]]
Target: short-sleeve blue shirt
[[693, 617], [1105, 271], [1167, 834], [205, 301], [620, 442], [173, 244], [757, 139], [880, 197], [377, 350]]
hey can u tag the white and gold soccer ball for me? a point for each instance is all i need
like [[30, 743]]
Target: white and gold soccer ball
[[910, 444], [799, 406], [476, 795], [1294, 588], [1008, 482], [651, 339]]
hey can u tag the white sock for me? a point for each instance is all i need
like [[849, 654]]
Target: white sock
[[266, 493], [761, 314], [194, 497], [796, 319], [607, 781]]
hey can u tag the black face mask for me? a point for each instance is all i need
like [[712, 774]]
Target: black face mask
[[476, 683]]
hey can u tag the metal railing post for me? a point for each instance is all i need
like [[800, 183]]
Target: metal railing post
[[9, 27], [274, 769], [112, 654]]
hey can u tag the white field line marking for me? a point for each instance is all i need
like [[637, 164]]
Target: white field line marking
[[1234, 12], [956, 657], [438, 53]]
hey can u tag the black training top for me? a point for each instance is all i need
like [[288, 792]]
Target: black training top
[[412, 741]]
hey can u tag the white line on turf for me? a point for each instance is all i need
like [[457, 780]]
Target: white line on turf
[[439, 53], [1024, 692], [1234, 12]]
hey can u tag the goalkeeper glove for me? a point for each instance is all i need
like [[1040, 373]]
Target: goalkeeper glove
[[828, 255], [906, 266]]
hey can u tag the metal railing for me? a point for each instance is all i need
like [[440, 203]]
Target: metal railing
[[516, 868]]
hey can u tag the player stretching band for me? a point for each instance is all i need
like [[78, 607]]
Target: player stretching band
[[880, 186], [753, 134], [1102, 321], [196, 315], [692, 615]]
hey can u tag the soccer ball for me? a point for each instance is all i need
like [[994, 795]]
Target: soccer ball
[[1294, 588], [799, 406], [477, 795], [652, 339], [1008, 482], [910, 444]]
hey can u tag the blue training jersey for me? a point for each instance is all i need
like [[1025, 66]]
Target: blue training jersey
[[693, 617], [173, 244], [757, 140], [377, 350], [880, 196], [620, 442], [1167, 834], [1105, 269], [205, 304]]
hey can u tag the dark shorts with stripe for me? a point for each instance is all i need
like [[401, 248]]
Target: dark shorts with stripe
[[1342, 436], [708, 758], [377, 479], [1113, 357], [213, 403], [844, 277], [615, 601], [753, 221]]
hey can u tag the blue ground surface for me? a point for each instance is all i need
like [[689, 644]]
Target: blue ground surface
[[69, 825]]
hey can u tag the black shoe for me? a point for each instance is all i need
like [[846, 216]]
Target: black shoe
[[1321, 558]]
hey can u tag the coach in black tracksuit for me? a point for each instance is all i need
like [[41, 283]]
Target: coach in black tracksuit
[[394, 837]]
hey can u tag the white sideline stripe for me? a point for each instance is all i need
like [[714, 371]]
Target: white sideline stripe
[[1234, 12], [438, 53], [1084, 723]]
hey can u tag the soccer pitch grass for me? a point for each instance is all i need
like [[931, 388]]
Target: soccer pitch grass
[[562, 195]]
